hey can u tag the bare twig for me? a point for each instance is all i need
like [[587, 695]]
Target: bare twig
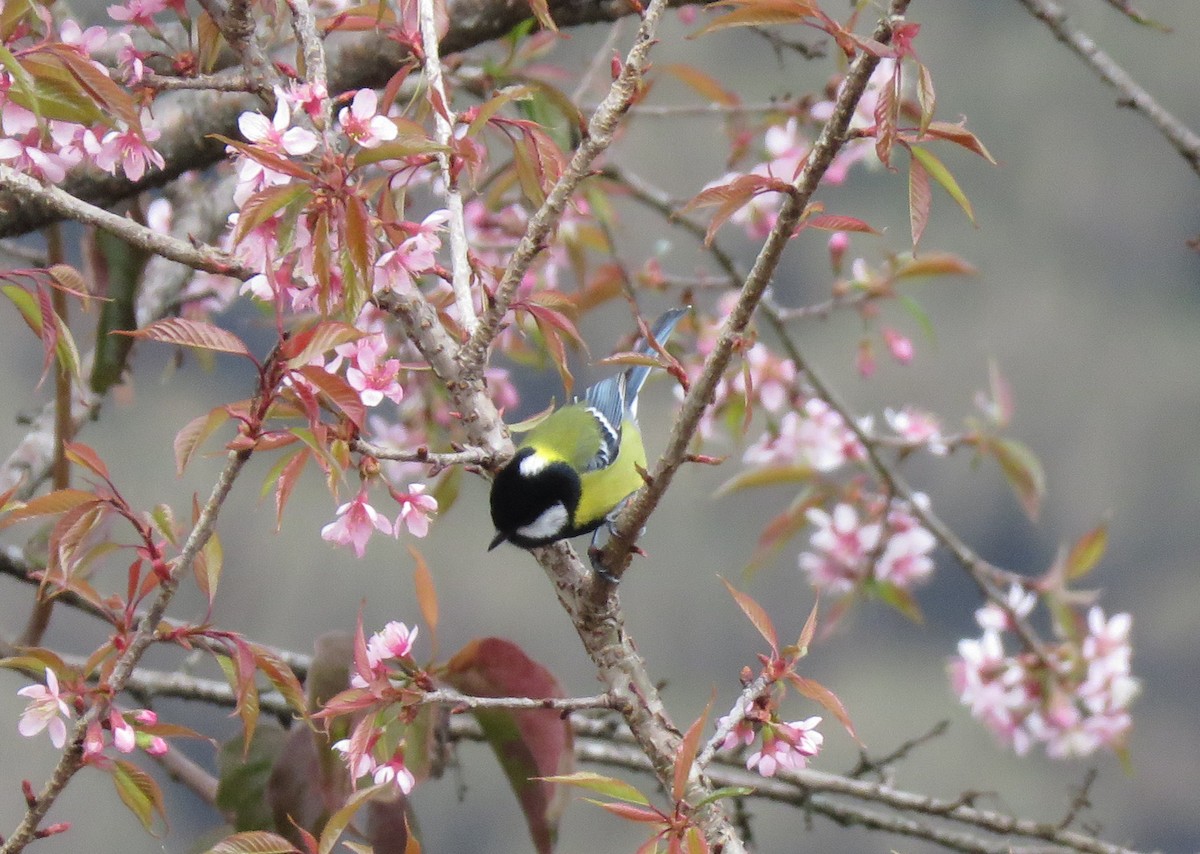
[[466, 457], [1133, 95]]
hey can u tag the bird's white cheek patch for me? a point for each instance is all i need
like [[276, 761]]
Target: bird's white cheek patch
[[550, 523], [532, 465]]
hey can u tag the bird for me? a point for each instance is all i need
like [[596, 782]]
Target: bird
[[574, 469]]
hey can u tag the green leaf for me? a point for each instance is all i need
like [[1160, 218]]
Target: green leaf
[[765, 476], [941, 174], [1087, 552], [138, 792], [599, 783], [1022, 470]]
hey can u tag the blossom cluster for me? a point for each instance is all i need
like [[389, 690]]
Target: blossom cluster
[[357, 520], [366, 752], [1072, 705], [847, 552], [48, 709], [786, 746], [47, 149]]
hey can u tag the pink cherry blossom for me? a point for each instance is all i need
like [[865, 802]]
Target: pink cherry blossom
[[356, 521], [399, 268], [917, 427], [841, 549], [360, 763], [415, 510], [786, 746], [371, 376], [1067, 709], [1018, 601], [131, 150], [394, 771], [362, 123], [139, 13], [124, 737], [46, 711], [395, 640], [307, 96], [900, 346]]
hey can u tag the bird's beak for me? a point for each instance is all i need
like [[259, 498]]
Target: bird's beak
[[497, 540]]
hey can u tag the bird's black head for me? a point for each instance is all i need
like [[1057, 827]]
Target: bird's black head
[[534, 501]]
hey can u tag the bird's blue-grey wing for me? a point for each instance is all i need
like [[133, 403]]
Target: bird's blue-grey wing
[[605, 402]]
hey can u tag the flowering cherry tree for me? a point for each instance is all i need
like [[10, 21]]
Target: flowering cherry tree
[[411, 221]]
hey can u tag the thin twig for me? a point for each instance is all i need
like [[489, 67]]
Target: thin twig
[[1133, 95], [465, 457]]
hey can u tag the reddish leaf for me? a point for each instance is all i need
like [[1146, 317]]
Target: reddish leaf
[[426, 595], [190, 333], [685, 756], [280, 675], [530, 743], [758, 13], [919, 199], [82, 455], [104, 91], [339, 392], [835, 222], [194, 433], [289, 474], [254, 842], [887, 118], [959, 135], [756, 614], [707, 86], [317, 340], [629, 812], [730, 197], [819, 693], [59, 501]]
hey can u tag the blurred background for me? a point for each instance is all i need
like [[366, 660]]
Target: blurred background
[[1086, 298]]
